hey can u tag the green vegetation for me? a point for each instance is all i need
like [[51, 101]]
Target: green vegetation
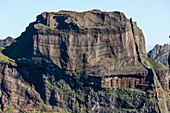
[[60, 110], [153, 64], [46, 107], [5, 58], [132, 98], [124, 99], [9, 109]]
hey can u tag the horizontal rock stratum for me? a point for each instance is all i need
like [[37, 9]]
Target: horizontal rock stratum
[[91, 61]]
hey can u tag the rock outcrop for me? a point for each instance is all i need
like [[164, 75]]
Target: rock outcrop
[[161, 53], [6, 42], [92, 39], [89, 61]]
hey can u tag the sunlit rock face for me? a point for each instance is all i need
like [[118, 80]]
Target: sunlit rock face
[[161, 53], [107, 41]]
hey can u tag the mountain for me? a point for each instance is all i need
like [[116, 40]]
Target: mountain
[[161, 53], [6, 41], [90, 61]]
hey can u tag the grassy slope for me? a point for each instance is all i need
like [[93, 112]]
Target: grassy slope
[[4, 58], [153, 64]]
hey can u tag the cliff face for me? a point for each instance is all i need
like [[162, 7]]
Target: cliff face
[[91, 61], [161, 53], [68, 38]]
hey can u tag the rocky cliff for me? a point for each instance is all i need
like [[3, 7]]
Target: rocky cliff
[[161, 53], [89, 61]]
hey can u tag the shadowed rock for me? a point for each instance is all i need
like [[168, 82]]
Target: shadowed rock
[[6, 42]]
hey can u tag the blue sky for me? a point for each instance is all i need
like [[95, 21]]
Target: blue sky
[[152, 16]]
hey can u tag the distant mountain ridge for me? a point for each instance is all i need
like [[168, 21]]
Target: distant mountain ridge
[[161, 53], [6, 42]]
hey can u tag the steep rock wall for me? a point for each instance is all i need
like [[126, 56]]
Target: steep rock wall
[[99, 38]]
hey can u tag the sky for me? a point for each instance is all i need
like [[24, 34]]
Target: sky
[[152, 16]]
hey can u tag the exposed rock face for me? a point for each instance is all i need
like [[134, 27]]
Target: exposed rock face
[[6, 41], [14, 89], [68, 38], [69, 62], [161, 53]]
